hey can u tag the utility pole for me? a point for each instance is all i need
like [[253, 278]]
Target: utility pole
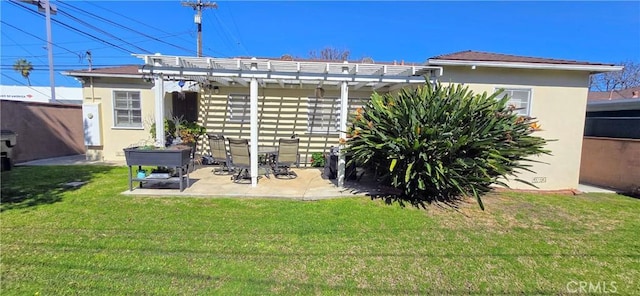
[[43, 5], [198, 6]]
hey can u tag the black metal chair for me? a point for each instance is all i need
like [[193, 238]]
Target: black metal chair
[[239, 158], [287, 157], [219, 153]]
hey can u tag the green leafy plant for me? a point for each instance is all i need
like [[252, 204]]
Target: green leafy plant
[[169, 131], [439, 143], [317, 159], [189, 132]]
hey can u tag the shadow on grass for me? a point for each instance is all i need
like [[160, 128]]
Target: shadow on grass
[[28, 186], [633, 194], [362, 182]]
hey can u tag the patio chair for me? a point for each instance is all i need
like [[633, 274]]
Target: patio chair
[[239, 158], [219, 153], [287, 157]]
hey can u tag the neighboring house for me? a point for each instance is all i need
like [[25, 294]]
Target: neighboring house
[[307, 98], [41, 94], [616, 94]]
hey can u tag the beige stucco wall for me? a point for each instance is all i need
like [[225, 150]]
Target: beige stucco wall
[[558, 101], [114, 139]]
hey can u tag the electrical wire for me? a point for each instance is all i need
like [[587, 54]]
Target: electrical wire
[[124, 27], [72, 28], [23, 48], [35, 36], [133, 20], [102, 31], [236, 40]]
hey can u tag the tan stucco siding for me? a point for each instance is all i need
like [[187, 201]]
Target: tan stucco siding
[[114, 139], [558, 101]]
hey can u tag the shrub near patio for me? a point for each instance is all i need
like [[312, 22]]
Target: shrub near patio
[[438, 143]]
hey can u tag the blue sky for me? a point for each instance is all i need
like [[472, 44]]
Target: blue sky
[[385, 31]]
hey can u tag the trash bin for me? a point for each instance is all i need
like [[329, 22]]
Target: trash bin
[[8, 140], [331, 165]]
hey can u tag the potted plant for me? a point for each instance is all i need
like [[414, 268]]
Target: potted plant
[[190, 132]]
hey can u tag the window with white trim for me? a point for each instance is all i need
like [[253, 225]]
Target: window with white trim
[[238, 108], [127, 111], [323, 115], [520, 98]]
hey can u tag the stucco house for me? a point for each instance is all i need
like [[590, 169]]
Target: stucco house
[[267, 99]]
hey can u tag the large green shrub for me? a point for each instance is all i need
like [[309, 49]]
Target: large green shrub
[[438, 143]]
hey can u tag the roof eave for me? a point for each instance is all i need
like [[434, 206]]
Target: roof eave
[[522, 65], [614, 105], [91, 74]]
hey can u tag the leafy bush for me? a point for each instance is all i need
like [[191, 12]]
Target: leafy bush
[[191, 131], [169, 131], [317, 159], [438, 143]]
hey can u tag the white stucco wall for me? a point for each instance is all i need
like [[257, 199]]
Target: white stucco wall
[[558, 101]]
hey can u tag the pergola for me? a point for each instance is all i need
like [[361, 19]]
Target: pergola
[[268, 73]]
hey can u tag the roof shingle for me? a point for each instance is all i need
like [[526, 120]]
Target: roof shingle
[[470, 55], [614, 94], [123, 70]]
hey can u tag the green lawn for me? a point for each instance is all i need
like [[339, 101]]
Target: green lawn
[[94, 241]]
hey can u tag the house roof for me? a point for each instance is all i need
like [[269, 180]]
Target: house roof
[[613, 95], [614, 105], [129, 71], [488, 59]]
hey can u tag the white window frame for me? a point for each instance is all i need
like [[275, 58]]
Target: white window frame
[[238, 108], [326, 120], [129, 109], [509, 91], [332, 114]]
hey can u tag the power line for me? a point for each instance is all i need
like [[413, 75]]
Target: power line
[[74, 29], [152, 27], [35, 36], [102, 31], [131, 19], [23, 48], [124, 27], [231, 35]]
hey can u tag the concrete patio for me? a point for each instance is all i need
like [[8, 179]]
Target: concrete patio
[[310, 184]]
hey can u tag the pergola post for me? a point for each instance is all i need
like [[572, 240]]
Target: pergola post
[[344, 110], [159, 116], [253, 93]]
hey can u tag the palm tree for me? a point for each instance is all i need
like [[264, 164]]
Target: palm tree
[[24, 67]]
